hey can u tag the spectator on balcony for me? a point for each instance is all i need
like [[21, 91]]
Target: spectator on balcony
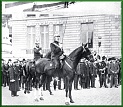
[[37, 52]]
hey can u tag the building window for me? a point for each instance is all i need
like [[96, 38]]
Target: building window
[[87, 34], [44, 15], [44, 41], [31, 15], [30, 38], [58, 29]]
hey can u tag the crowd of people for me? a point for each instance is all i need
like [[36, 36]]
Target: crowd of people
[[107, 70], [13, 75]]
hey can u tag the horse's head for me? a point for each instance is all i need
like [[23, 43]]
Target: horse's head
[[86, 52], [80, 52]]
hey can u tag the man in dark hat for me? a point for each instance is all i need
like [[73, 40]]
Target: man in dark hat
[[93, 73], [101, 66], [113, 69], [14, 82], [56, 51], [104, 71], [5, 74]]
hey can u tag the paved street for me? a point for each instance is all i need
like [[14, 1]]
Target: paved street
[[93, 96]]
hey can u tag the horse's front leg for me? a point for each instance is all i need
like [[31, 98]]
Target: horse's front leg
[[70, 89], [66, 89]]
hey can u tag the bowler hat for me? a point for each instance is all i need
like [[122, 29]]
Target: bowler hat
[[112, 58], [103, 58], [9, 60]]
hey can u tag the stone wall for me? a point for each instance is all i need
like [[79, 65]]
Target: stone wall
[[108, 27]]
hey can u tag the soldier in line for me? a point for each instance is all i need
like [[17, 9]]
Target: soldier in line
[[101, 66], [8, 77], [83, 73], [104, 72], [14, 76], [113, 70], [87, 84], [93, 73], [22, 74], [5, 74]]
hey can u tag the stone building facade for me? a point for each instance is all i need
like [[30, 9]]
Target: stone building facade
[[73, 30]]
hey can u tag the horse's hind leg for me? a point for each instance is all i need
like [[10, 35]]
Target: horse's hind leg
[[48, 84], [42, 79]]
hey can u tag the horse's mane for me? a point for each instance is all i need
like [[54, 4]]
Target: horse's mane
[[76, 55], [75, 52], [48, 55]]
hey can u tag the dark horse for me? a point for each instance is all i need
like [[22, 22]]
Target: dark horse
[[32, 78], [45, 67]]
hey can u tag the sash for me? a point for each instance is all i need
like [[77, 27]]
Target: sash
[[57, 45]]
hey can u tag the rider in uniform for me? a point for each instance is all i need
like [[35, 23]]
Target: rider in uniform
[[37, 52], [56, 51]]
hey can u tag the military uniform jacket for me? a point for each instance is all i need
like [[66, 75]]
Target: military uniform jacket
[[14, 74], [92, 69], [5, 68], [100, 66], [83, 69], [56, 51], [87, 69], [113, 68], [37, 53]]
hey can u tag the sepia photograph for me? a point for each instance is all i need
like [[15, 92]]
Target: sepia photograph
[[61, 53]]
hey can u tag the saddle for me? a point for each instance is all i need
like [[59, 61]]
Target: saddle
[[51, 65]]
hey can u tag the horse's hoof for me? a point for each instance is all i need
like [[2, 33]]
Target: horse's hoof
[[51, 93], [41, 98], [67, 103], [28, 92], [71, 101], [36, 100], [30, 89], [24, 92]]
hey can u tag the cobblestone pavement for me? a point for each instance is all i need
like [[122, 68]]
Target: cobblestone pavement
[[93, 96]]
